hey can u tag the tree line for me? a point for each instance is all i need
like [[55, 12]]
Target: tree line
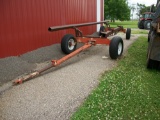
[[121, 10]]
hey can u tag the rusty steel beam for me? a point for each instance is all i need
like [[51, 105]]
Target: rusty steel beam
[[54, 28], [80, 38], [31, 75], [63, 59], [95, 41], [54, 64]]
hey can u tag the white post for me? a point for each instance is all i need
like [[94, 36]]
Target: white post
[[98, 14]]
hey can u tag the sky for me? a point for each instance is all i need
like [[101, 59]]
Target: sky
[[146, 2]]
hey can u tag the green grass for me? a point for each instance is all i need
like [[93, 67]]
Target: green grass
[[125, 24], [127, 92], [135, 31], [129, 24]]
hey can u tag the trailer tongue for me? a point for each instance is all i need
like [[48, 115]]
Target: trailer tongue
[[69, 43]]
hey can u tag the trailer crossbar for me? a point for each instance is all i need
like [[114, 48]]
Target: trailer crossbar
[[54, 28]]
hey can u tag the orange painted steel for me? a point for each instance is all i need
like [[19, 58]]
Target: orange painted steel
[[58, 62], [54, 64], [96, 40], [25, 78], [88, 42], [31, 75], [55, 28]]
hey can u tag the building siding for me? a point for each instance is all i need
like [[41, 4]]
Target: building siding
[[24, 23]]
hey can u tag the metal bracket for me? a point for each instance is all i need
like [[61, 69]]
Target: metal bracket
[[78, 32]]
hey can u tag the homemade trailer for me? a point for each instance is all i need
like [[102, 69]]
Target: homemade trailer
[[69, 43]]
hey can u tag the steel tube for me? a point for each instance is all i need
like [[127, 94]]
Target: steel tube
[[54, 28], [63, 59], [54, 64]]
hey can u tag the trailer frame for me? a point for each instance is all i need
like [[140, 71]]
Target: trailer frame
[[69, 42]]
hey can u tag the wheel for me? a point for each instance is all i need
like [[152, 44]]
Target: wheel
[[102, 29], [152, 64], [147, 24], [116, 47], [152, 61], [149, 34], [68, 43], [128, 33], [149, 61], [140, 25], [148, 38]]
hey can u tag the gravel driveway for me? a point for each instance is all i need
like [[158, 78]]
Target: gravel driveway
[[56, 94]]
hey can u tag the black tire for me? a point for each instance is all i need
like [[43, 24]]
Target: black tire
[[128, 33], [149, 35], [68, 43], [140, 25], [116, 47], [148, 38], [149, 61], [150, 64], [102, 29], [147, 25]]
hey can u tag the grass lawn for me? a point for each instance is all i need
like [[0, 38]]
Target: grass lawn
[[129, 91], [125, 24], [129, 24], [135, 31]]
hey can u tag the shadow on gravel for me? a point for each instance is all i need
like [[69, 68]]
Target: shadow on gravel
[[12, 67]]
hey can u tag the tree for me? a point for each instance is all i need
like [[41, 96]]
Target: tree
[[141, 8], [132, 9], [116, 9]]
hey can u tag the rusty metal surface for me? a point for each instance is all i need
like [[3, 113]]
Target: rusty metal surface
[[88, 43], [94, 35], [65, 58], [25, 22], [54, 28]]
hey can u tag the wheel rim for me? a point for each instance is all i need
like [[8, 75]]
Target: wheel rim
[[71, 44], [148, 25], [120, 47]]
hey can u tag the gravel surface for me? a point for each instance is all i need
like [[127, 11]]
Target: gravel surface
[[12, 67], [57, 93]]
